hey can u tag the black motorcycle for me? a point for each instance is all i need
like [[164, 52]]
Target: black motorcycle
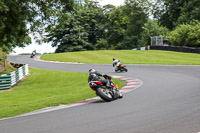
[[121, 68], [105, 93], [32, 55]]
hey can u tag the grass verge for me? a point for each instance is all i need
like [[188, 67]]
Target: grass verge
[[127, 57], [45, 88]]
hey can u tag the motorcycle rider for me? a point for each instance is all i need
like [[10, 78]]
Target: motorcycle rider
[[94, 76], [33, 53], [116, 63]]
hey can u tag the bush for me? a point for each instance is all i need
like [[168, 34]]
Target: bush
[[186, 35]]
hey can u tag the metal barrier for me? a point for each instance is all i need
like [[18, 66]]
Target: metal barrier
[[11, 79], [177, 49]]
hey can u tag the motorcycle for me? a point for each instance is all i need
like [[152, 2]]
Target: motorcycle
[[121, 68], [32, 55], [105, 93]]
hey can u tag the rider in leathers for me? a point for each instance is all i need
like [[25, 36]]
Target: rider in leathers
[[94, 76], [34, 53], [116, 63]]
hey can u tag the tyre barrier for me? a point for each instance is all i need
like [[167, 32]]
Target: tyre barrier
[[9, 80], [177, 49]]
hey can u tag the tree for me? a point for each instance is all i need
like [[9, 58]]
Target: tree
[[124, 25], [90, 26], [137, 14], [20, 17], [115, 28], [79, 30], [189, 12], [175, 12], [152, 28], [186, 35]]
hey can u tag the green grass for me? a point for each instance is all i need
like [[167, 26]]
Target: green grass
[[127, 57], [43, 88]]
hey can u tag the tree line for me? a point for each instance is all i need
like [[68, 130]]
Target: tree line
[[78, 25]]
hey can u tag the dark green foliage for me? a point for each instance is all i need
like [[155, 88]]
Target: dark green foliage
[[189, 12], [137, 18], [78, 30], [116, 26], [91, 26], [124, 25], [13, 29], [182, 18], [85, 25], [175, 12], [16, 14], [151, 28], [186, 35]]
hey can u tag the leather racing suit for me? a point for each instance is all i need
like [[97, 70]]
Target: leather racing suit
[[95, 77]]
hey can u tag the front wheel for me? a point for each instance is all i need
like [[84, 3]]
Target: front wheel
[[104, 94], [126, 70], [120, 94]]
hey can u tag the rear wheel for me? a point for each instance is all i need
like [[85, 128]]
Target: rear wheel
[[104, 94]]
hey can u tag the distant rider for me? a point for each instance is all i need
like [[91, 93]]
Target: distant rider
[[116, 63], [94, 76], [34, 52]]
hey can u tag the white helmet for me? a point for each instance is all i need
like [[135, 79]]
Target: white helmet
[[92, 71]]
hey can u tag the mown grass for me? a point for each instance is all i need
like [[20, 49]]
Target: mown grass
[[43, 88], [127, 57]]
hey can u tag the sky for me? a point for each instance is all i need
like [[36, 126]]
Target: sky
[[47, 48], [113, 2]]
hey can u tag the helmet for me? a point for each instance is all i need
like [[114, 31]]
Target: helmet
[[92, 71], [114, 59]]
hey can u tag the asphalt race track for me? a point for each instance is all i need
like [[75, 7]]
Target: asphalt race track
[[167, 102]]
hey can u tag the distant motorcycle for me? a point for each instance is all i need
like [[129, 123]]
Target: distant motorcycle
[[121, 68], [33, 54], [105, 93]]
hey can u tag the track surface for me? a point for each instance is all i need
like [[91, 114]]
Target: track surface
[[168, 102]]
